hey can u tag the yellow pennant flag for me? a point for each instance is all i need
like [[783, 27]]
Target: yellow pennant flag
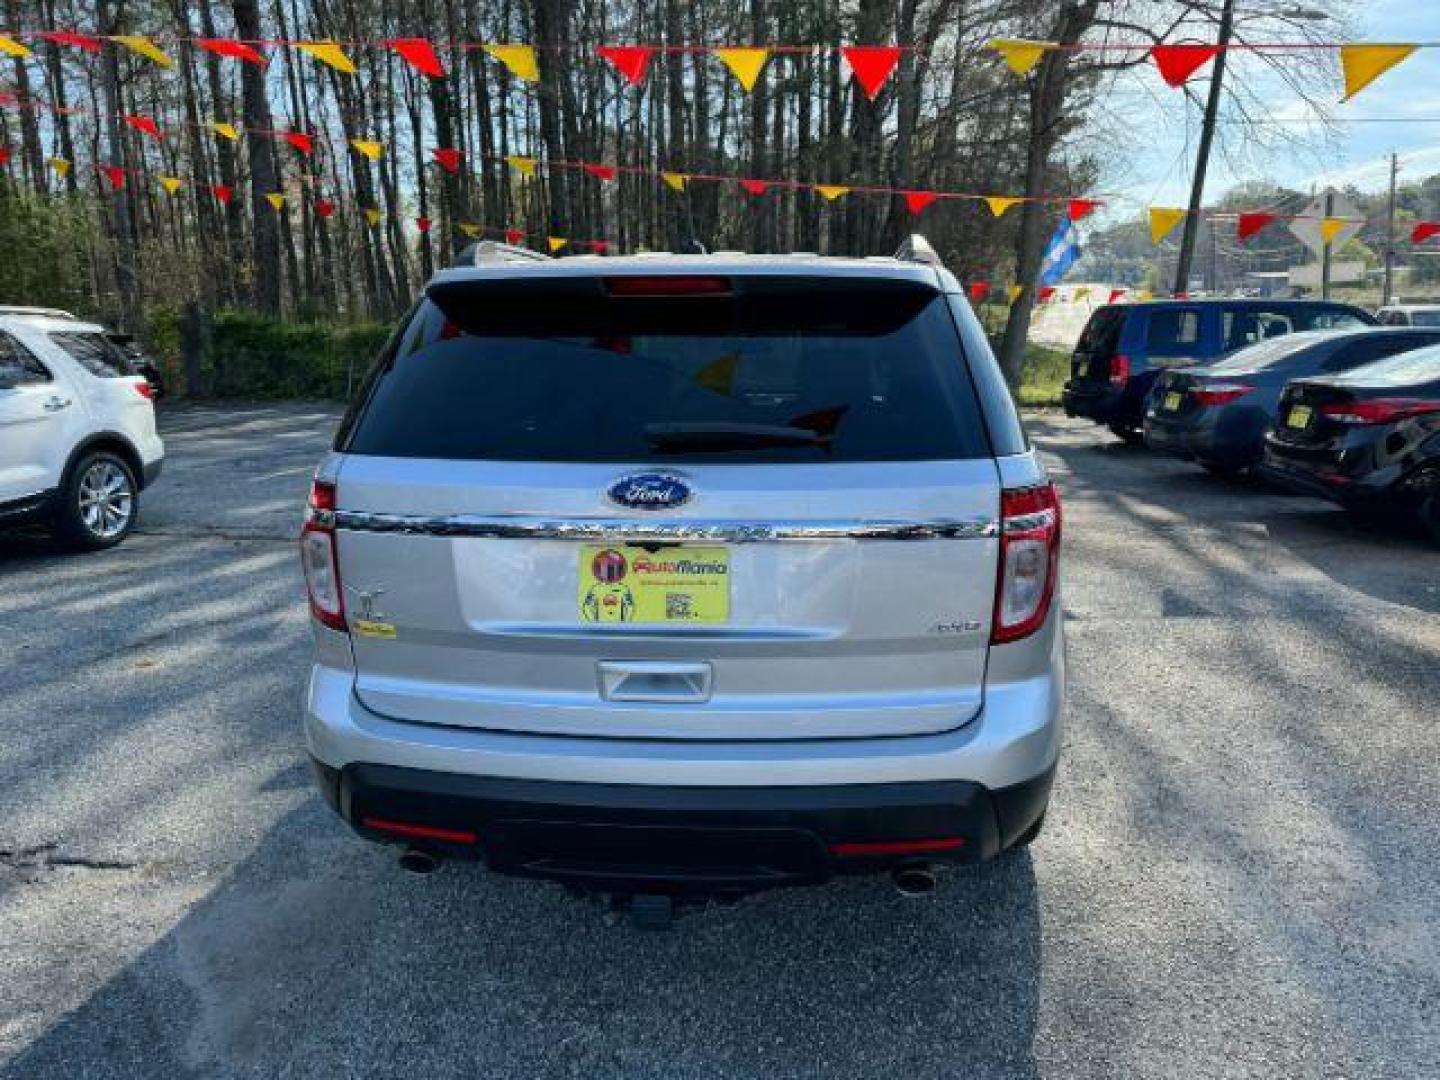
[[520, 164], [1014, 291], [371, 150], [744, 64], [328, 52], [60, 165], [520, 59], [1000, 203], [1020, 55], [832, 191], [372, 216], [675, 180], [10, 47], [171, 184], [1330, 228], [1080, 294], [556, 243], [224, 130], [472, 231], [1144, 294], [1162, 220], [276, 201], [141, 45], [1363, 64]]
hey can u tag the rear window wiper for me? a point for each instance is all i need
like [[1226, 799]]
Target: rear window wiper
[[717, 437]]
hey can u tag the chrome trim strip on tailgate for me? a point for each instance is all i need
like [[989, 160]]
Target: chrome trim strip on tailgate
[[629, 529]]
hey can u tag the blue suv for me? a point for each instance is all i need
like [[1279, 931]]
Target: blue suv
[[1125, 346]]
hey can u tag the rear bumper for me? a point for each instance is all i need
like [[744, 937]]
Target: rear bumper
[[1098, 403], [612, 837]]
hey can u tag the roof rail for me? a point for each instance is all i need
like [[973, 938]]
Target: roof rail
[[492, 253], [917, 249]]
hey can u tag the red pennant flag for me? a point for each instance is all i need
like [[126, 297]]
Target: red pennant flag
[[4, 155], [754, 187], [66, 37], [419, 54], [1180, 296], [1046, 292], [235, 50], [300, 141], [1079, 208], [1247, 225], [144, 125], [1178, 62], [599, 246], [632, 61], [448, 157], [223, 193], [324, 208], [423, 224], [115, 174], [600, 172], [1423, 231], [979, 291], [917, 201], [514, 236], [871, 65], [1115, 294]]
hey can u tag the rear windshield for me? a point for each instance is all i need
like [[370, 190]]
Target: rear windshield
[[1408, 369], [1268, 353], [94, 352], [780, 371], [1102, 332]]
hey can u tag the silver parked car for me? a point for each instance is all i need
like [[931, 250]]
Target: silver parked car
[[682, 576]]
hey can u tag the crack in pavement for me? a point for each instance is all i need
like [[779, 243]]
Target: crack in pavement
[[43, 856]]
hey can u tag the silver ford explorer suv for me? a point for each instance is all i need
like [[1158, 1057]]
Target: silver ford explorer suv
[[670, 577]]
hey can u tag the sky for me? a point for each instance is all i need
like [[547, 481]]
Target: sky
[[1158, 171]]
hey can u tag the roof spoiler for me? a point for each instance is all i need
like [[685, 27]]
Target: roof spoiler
[[494, 253], [917, 249]]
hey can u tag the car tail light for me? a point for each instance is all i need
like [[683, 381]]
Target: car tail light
[[318, 557], [668, 285], [1378, 410], [420, 832], [1218, 393], [144, 389], [1119, 369], [1029, 561], [872, 848]]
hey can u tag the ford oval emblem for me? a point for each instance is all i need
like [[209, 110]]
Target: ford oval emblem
[[649, 491]]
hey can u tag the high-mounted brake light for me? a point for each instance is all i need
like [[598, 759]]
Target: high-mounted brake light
[[1119, 369], [1029, 561], [668, 285], [1378, 410], [1218, 393], [319, 558]]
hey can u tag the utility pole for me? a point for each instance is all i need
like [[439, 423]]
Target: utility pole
[[1202, 157], [1388, 295], [1325, 258]]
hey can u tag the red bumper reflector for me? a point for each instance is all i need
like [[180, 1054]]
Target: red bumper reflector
[[897, 847], [420, 832]]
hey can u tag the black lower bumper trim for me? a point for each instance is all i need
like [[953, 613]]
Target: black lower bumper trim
[[612, 837]]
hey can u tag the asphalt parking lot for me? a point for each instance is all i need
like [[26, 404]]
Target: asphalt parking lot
[[1238, 878]]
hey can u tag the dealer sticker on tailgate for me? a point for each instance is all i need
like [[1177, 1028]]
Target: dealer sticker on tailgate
[[684, 584], [1299, 416]]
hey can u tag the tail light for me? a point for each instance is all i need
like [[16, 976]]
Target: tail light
[[144, 389], [1119, 369], [1029, 561], [318, 557], [1218, 393], [1378, 410]]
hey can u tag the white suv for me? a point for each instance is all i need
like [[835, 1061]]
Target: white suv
[[671, 576], [77, 429]]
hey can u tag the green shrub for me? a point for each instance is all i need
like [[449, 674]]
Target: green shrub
[[251, 356], [1042, 375]]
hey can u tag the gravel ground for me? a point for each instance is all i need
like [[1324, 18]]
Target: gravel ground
[[1238, 877]]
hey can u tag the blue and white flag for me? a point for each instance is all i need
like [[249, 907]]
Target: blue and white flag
[[1061, 253]]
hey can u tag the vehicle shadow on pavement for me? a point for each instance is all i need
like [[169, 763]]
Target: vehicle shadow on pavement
[[318, 956]]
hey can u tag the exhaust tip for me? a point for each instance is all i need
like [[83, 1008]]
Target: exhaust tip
[[417, 861], [913, 880]]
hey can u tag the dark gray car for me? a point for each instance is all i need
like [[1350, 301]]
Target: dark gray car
[[1217, 415]]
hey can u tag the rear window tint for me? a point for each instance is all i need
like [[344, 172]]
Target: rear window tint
[[1172, 332], [94, 352], [1408, 369], [1102, 332], [781, 372]]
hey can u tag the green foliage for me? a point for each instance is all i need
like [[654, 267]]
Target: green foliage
[[251, 356], [45, 241], [1042, 375]]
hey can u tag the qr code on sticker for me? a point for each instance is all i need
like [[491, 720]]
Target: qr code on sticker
[[678, 606]]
